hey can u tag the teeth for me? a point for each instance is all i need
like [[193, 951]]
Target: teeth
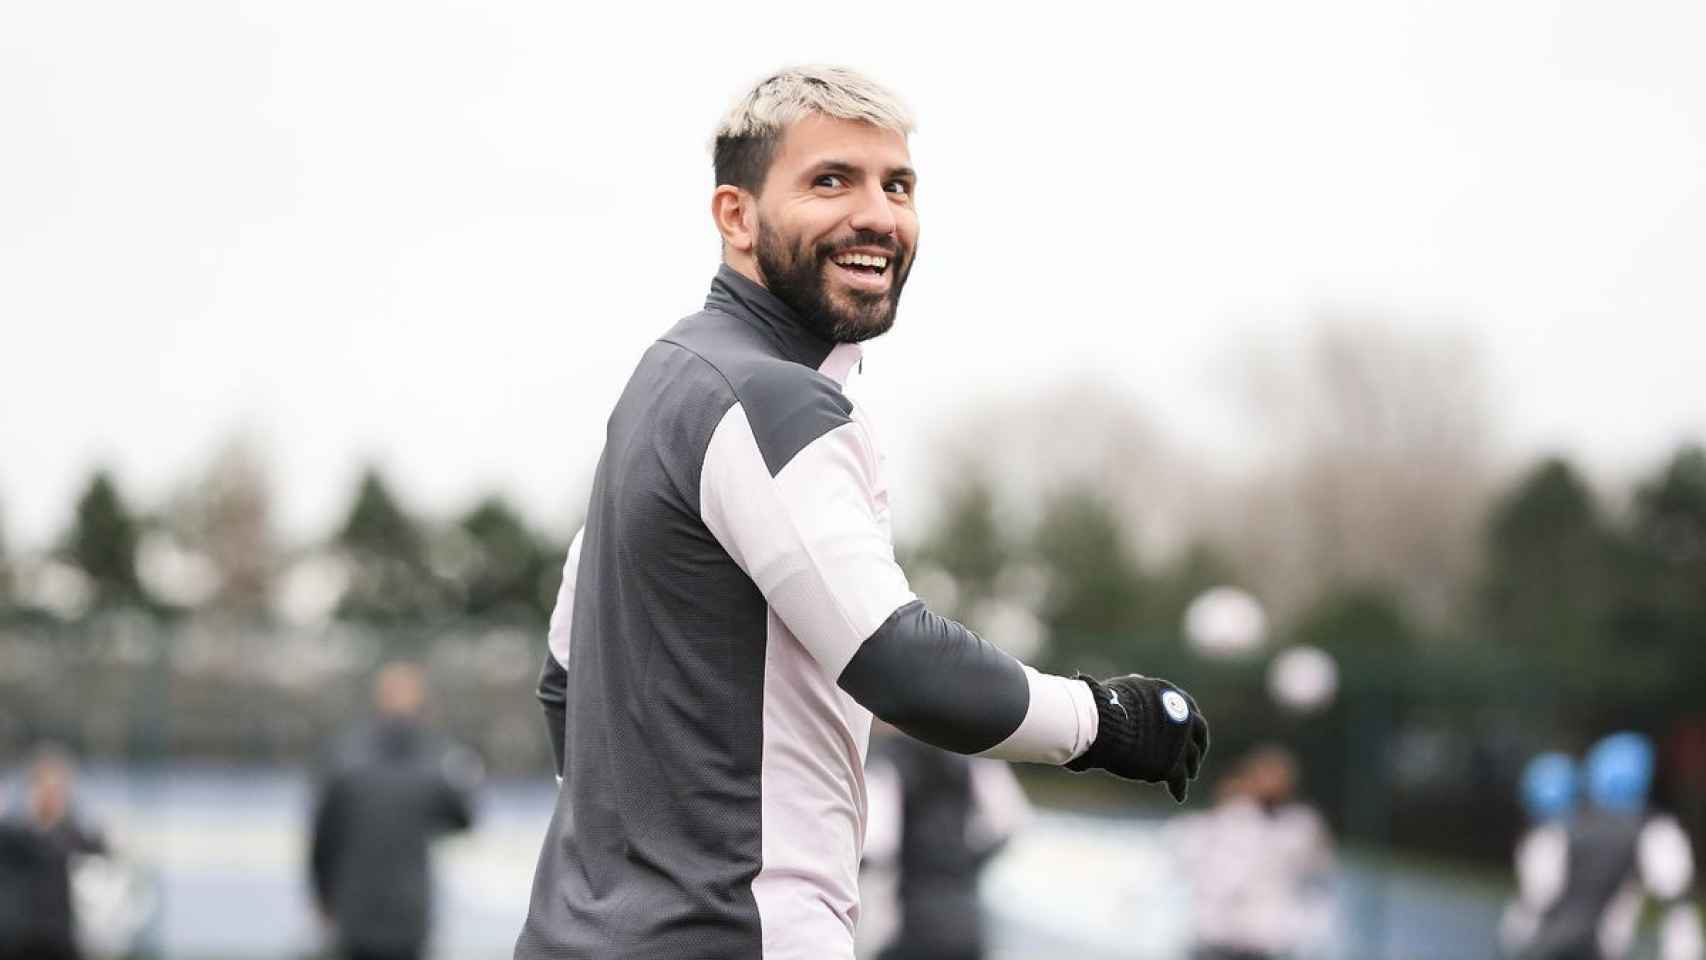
[[862, 260]]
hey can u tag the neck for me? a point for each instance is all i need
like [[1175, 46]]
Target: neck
[[744, 264]]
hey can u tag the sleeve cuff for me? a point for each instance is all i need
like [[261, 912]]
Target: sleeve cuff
[[1059, 725]]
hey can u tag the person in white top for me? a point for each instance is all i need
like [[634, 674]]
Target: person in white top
[[1259, 865]]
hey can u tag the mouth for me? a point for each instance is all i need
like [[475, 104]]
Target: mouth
[[864, 270]]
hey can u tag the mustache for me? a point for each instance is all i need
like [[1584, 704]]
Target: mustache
[[862, 238]]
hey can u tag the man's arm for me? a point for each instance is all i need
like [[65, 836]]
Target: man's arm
[[554, 675], [796, 507]]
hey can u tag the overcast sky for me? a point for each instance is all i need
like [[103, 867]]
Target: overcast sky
[[437, 236]]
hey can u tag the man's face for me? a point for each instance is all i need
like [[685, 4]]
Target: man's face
[[836, 226]]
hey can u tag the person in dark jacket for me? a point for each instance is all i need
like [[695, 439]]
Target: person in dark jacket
[[37, 850], [391, 788], [35, 896], [951, 814]]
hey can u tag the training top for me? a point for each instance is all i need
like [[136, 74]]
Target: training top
[[730, 617]]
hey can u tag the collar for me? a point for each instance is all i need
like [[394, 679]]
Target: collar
[[738, 296]]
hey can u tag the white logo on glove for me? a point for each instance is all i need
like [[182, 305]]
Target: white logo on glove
[[1174, 703]]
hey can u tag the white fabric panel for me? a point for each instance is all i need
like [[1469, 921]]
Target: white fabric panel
[[563, 614], [812, 804], [810, 538], [1059, 724], [838, 366]]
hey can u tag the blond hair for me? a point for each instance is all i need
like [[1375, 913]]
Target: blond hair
[[746, 139]]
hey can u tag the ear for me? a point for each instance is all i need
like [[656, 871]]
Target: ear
[[736, 214]]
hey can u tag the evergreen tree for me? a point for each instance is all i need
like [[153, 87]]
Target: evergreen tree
[[508, 566], [1549, 570], [1098, 609], [5, 573], [969, 542], [1661, 616], [102, 542], [390, 579]]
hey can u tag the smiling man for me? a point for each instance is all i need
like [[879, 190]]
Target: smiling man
[[731, 615]]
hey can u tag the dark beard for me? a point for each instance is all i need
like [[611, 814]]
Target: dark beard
[[797, 277]]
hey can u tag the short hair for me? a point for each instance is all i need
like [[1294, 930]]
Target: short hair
[[747, 138]]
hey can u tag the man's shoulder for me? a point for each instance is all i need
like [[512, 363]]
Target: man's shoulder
[[787, 404]]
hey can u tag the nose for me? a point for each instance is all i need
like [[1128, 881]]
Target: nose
[[874, 211]]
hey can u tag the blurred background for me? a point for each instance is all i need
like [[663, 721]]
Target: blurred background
[[1337, 361]]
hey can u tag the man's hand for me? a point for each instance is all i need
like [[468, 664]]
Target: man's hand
[[1147, 729]]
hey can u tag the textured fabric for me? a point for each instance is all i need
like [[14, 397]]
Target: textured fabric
[[736, 562], [1057, 705], [939, 682]]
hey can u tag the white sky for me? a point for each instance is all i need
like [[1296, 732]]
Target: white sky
[[437, 236]]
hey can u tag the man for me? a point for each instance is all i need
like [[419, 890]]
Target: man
[[1260, 866], [731, 615], [36, 854], [935, 821], [392, 788], [1589, 900]]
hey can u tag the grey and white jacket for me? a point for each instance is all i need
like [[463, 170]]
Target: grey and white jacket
[[730, 618]]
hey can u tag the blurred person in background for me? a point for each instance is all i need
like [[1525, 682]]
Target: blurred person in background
[[391, 787], [731, 616], [38, 846], [1619, 854], [1259, 864], [936, 819], [1548, 790], [52, 783]]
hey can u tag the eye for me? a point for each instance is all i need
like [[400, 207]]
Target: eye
[[833, 181], [900, 187]]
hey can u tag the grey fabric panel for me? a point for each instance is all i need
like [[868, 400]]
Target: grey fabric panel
[[789, 405], [656, 837], [938, 681], [553, 684]]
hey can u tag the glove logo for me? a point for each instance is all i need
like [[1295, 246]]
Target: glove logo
[[1174, 704]]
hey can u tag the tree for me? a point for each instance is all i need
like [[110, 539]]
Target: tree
[[225, 518], [102, 542], [1661, 615], [1095, 606], [1363, 625], [1549, 571], [508, 564], [5, 573], [1376, 466], [968, 542], [390, 579]]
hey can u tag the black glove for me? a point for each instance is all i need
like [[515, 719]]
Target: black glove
[[1147, 729]]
